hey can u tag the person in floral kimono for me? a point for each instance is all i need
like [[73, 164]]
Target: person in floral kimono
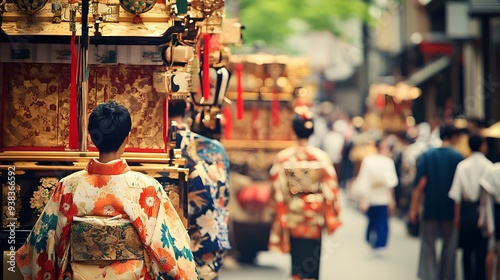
[[305, 194], [208, 195], [108, 222]]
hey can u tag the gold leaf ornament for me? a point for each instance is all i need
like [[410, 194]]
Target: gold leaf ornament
[[207, 6], [43, 194]]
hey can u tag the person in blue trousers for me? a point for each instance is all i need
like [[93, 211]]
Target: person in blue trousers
[[374, 188]]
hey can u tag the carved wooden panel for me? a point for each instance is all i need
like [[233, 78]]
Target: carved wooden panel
[[35, 105], [132, 86]]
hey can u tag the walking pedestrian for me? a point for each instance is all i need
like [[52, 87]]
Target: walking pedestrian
[[490, 182], [466, 192], [435, 172], [374, 186], [305, 199]]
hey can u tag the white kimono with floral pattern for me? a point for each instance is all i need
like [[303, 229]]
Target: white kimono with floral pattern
[[109, 190]]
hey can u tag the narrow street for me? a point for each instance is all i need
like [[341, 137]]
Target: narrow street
[[345, 255]]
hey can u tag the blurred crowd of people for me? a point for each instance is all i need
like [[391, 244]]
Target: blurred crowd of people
[[437, 176]]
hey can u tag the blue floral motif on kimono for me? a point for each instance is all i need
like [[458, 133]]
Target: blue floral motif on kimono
[[208, 185]]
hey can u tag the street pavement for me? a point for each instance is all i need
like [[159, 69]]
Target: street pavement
[[345, 255]]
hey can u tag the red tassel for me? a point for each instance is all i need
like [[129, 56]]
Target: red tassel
[[228, 122], [255, 122], [275, 110], [398, 108], [136, 19], [380, 101], [73, 114], [239, 88], [206, 66]]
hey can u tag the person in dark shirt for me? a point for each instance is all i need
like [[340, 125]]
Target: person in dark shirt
[[435, 172]]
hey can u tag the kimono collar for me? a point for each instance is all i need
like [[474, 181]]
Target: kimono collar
[[114, 167]]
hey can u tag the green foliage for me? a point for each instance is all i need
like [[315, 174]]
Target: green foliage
[[272, 21]]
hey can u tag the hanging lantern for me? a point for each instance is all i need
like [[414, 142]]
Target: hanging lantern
[[218, 83], [175, 83]]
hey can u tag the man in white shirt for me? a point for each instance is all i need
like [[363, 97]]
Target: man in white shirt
[[491, 184], [374, 187], [465, 191]]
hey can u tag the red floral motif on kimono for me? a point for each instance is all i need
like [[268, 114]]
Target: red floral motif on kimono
[[64, 238], [108, 206], [97, 181], [141, 229], [121, 267], [165, 260], [42, 258], [57, 192], [149, 201], [47, 272], [67, 207]]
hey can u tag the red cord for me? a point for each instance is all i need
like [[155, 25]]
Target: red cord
[[275, 110], [73, 114], [206, 66], [239, 88]]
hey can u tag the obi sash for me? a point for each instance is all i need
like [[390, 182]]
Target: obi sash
[[100, 240], [303, 180], [303, 196]]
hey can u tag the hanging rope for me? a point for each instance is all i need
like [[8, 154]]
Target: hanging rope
[[275, 109], [228, 122], [239, 89], [73, 111], [206, 66]]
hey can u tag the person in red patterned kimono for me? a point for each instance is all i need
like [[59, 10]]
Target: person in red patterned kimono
[[108, 222], [305, 194]]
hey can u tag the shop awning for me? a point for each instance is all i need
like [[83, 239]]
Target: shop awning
[[428, 71]]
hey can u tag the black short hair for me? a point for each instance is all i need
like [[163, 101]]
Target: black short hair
[[478, 122], [447, 131], [212, 133], [176, 108], [475, 142], [303, 127], [109, 125]]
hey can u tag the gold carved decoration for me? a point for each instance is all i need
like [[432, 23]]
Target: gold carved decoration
[[43, 194], [132, 86], [37, 104]]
